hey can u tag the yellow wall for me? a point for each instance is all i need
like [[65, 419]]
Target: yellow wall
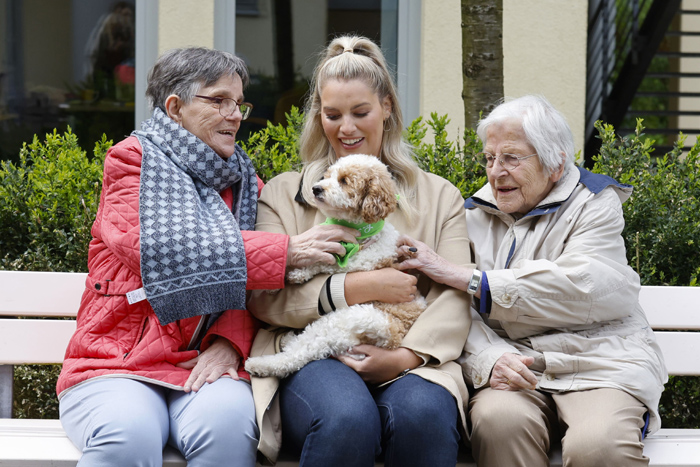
[[544, 52], [544, 48], [183, 23], [441, 63]]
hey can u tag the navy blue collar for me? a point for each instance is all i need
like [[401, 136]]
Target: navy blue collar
[[598, 182]]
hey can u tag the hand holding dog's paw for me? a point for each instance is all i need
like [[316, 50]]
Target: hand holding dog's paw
[[416, 255]]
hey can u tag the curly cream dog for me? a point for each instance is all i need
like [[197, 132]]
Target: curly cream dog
[[357, 191]]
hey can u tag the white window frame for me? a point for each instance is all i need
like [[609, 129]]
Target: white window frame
[[225, 25], [409, 58], [146, 54]]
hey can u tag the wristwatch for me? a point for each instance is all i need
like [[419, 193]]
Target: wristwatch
[[474, 282]]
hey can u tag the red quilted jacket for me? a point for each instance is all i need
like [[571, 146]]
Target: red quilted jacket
[[115, 338]]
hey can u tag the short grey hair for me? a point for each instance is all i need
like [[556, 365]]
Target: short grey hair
[[185, 71], [545, 128]]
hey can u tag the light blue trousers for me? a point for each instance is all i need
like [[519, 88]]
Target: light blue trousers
[[124, 422]]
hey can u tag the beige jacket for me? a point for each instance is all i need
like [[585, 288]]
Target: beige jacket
[[562, 292], [438, 335]]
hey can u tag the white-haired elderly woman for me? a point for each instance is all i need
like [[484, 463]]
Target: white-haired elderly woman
[[559, 347], [163, 330]]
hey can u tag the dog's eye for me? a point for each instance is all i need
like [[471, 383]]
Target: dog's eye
[[343, 181]]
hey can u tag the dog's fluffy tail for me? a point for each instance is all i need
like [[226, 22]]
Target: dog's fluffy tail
[[332, 335]]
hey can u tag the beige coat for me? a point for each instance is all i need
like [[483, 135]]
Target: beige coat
[[438, 335], [563, 293]]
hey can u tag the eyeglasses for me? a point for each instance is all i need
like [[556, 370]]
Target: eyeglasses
[[508, 161], [227, 106]]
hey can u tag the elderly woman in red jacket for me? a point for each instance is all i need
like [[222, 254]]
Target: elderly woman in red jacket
[[163, 330]]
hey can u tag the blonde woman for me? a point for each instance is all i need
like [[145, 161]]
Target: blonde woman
[[405, 405]]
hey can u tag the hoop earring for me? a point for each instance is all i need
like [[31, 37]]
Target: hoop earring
[[389, 127]]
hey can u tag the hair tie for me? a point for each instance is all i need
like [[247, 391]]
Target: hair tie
[[348, 50]]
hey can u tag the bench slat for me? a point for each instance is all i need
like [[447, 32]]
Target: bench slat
[[28, 293], [673, 308], [44, 443], [673, 447], [29, 341], [681, 352], [45, 341]]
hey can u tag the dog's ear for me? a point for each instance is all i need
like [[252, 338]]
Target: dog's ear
[[379, 197]]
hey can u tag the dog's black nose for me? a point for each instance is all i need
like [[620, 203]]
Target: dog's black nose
[[317, 190]]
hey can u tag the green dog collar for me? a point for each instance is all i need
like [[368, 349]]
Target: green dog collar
[[366, 231]]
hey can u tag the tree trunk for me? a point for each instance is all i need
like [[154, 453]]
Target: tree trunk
[[482, 57]]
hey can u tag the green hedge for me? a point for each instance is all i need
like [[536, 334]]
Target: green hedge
[[49, 198], [48, 202]]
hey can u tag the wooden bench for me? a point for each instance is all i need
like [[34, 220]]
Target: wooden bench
[[674, 313]]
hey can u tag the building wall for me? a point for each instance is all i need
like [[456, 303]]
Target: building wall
[[544, 52], [441, 63], [184, 23]]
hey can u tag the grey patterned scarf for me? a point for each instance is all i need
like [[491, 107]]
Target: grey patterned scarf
[[192, 256]]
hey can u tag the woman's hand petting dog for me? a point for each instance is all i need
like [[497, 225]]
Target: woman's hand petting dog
[[318, 244], [380, 365], [416, 255], [386, 285]]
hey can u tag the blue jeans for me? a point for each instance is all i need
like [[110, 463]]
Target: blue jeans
[[331, 417], [125, 422]]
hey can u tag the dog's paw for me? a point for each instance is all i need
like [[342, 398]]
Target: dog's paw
[[286, 338], [260, 366], [298, 276]]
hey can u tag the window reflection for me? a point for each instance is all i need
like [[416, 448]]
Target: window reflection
[[65, 62], [280, 41]]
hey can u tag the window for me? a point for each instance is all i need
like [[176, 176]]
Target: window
[[66, 63], [280, 44]]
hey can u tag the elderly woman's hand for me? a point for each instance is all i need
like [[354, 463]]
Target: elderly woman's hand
[[511, 373], [219, 359], [318, 244], [414, 254]]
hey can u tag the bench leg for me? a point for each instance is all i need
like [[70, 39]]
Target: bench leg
[[6, 380]]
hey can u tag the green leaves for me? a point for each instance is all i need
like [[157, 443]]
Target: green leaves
[[275, 148], [48, 201], [35, 391], [662, 216], [452, 161]]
